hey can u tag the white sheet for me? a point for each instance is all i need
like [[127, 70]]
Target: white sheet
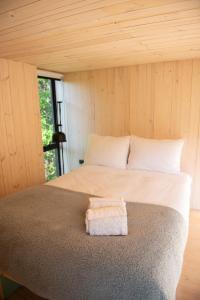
[[169, 190]]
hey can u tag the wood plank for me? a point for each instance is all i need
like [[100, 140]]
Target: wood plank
[[141, 101], [33, 133], [195, 132], [7, 5], [66, 36], [8, 146], [141, 27], [189, 285], [111, 89], [21, 154], [164, 91]]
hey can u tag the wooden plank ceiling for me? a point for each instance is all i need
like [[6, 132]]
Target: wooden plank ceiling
[[73, 35]]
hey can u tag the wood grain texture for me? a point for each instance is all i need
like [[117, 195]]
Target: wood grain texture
[[74, 35], [21, 156], [158, 100], [189, 285]]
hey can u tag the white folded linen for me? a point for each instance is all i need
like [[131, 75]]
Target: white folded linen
[[107, 221], [105, 212], [96, 202]]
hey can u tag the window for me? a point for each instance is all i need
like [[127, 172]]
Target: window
[[48, 109]]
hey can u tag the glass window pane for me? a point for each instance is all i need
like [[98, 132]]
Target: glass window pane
[[51, 157], [51, 164], [46, 110]]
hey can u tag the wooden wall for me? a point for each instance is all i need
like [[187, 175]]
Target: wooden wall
[[160, 100], [21, 156]]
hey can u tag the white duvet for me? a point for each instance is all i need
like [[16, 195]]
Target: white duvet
[[135, 186]]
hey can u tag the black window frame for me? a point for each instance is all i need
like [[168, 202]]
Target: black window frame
[[53, 146]]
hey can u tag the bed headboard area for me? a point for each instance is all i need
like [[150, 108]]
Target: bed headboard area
[[160, 100]]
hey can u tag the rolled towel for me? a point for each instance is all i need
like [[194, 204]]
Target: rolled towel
[[107, 221], [95, 202]]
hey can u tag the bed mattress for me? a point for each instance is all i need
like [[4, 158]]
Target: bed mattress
[[170, 190]]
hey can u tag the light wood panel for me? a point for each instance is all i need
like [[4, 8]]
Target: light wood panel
[[160, 100], [189, 285], [21, 156], [76, 35]]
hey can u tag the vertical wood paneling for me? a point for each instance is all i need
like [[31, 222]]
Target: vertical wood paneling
[[16, 79], [21, 156], [194, 134], [7, 131], [160, 100], [33, 131], [141, 101], [181, 107], [164, 81], [111, 90]]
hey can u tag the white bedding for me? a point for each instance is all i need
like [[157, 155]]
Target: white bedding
[[169, 190]]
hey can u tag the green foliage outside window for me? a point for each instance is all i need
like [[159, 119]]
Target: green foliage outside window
[[47, 120]]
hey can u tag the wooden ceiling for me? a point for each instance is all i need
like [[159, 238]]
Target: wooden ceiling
[[73, 35]]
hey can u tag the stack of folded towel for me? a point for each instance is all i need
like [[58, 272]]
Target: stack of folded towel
[[106, 216]]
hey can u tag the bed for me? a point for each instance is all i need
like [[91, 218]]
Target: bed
[[169, 190], [43, 244]]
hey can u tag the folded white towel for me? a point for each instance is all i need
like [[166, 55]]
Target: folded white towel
[[95, 202], [108, 226], [105, 212], [107, 221]]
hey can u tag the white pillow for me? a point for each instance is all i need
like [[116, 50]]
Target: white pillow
[[155, 155], [107, 151]]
